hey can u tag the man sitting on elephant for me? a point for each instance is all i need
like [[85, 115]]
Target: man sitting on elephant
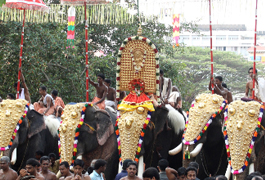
[[47, 101], [111, 95], [6, 172], [164, 87], [219, 89], [101, 89]]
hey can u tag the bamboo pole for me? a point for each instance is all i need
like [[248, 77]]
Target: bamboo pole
[[211, 44], [87, 83]]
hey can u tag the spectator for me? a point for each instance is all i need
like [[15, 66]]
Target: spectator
[[31, 169], [181, 173], [172, 174], [38, 155], [196, 166], [92, 167], [191, 173], [254, 174], [123, 173], [100, 167], [7, 172], [131, 170], [257, 178], [209, 178], [151, 173], [221, 177], [162, 165], [65, 171], [54, 167], [10, 96], [45, 163], [78, 169]]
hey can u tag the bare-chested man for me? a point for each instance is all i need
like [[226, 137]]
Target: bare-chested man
[[132, 170], [78, 169], [102, 90], [219, 89], [23, 89], [64, 169], [249, 85], [45, 162], [31, 170], [111, 96], [6, 172]]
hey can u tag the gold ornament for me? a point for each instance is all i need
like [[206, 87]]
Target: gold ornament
[[70, 119], [11, 112], [140, 110], [240, 129], [205, 105]]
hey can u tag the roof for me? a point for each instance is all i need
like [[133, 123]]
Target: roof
[[229, 27]]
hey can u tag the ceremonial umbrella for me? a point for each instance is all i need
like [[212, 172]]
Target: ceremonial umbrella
[[84, 2], [23, 5]]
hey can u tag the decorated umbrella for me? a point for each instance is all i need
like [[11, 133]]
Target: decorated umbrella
[[23, 5], [255, 43], [82, 2]]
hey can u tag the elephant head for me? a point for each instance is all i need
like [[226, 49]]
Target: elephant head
[[241, 130], [201, 130]]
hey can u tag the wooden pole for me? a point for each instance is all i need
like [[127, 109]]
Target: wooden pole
[[211, 44], [20, 55], [87, 83], [255, 43]]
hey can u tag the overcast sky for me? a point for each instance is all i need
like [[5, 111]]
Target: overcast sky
[[223, 11]]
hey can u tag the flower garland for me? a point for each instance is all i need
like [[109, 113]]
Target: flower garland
[[137, 85], [205, 127], [255, 134], [137, 69], [119, 64], [140, 139], [16, 129], [81, 122]]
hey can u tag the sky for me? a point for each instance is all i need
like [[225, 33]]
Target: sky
[[223, 11]]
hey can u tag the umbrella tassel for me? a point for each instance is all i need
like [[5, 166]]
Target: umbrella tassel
[[71, 27]]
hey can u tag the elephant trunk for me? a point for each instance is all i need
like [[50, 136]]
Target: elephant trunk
[[185, 162]]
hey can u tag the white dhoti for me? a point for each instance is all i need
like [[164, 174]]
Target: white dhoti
[[110, 103], [173, 97], [261, 89]]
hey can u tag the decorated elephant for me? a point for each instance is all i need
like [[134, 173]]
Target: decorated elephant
[[244, 138], [203, 140], [163, 133], [28, 131], [87, 133]]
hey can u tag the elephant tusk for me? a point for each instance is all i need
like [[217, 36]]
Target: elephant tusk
[[251, 168], [120, 167], [58, 175], [141, 167], [176, 150], [79, 157], [196, 151], [228, 171], [14, 156]]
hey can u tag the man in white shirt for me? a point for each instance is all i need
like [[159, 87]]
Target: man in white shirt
[[100, 167]]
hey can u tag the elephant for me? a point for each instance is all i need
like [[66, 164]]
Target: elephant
[[242, 122], [209, 151], [96, 140], [36, 133], [163, 133]]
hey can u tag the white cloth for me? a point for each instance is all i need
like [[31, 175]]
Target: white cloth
[[109, 103], [261, 89], [21, 94], [45, 99], [165, 86], [173, 96]]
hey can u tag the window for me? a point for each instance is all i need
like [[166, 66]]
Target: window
[[185, 37], [221, 38], [224, 48], [235, 48], [196, 37], [233, 37], [206, 38]]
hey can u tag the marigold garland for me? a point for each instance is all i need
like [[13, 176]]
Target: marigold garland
[[16, 129], [119, 64], [77, 130], [140, 138], [255, 134], [205, 127], [137, 85]]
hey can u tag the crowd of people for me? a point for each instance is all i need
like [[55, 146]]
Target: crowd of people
[[45, 169]]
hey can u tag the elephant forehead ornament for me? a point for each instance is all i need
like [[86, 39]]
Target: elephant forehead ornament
[[241, 128], [71, 119], [12, 112], [205, 106]]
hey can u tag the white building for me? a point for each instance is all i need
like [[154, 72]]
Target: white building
[[232, 38]]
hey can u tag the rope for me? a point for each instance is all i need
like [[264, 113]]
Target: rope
[[90, 127]]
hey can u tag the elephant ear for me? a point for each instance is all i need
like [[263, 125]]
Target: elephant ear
[[104, 127], [36, 123], [159, 117]]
